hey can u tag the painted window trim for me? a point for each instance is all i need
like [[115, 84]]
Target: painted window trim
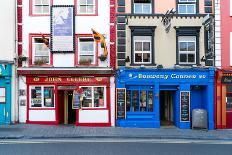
[[187, 52], [152, 8], [30, 61], [196, 2], [92, 91], [31, 9], [4, 96], [150, 41], [43, 107], [188, 31], [143, 31], [186, 8], [86, 14], [77, 50]]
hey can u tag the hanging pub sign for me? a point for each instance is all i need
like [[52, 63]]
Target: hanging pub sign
[[121, 103], [62, 28], [184, 106], [77, 99]]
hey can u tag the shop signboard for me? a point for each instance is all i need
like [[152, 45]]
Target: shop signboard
[[76, 100], [62, 28], [121, 103], [185, 106], [227, 79]]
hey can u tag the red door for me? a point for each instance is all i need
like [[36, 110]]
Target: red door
[[61, 106]]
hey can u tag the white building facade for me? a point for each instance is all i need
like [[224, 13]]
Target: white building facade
[[65, 76]]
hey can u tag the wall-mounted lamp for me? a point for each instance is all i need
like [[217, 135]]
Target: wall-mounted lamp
[[127, 59]]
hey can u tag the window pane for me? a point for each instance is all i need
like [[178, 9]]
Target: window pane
[[36, 97], [146, 46], [191, 58], [147, 8], [2, 95], [138, 46], [90, 9], [138, 57], [87, 97], [135, 100], [48, 96], [146, 57], [128, 99], [191, 46], [86, 59], [229, 103], [228, 89], [143, 101], [183, 46], [82, 1], [45, 2], [39, 60], [182, 9], [37, 2], [190, 9], [138, 8], [41, 49], [83, 9], [87, 46], [150, 101], [99, 97], [45, 9], [37, 9], [90, 2], [183, 57]]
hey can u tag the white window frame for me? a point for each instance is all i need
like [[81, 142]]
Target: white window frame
[[142, 40], [187, 1], [33, 50], [186, 10], [187, 39], [42, 96], [3, 98], [92, 91], [142, 8], [94, 49], [41, 5], [86, 5]]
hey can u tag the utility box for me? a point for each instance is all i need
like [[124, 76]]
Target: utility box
[[199, 119]]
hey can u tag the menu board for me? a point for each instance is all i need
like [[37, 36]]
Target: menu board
[[76, 100], [121, 103], [184, 106]]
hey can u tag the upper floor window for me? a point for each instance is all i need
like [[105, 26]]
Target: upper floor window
[[40, 52], [187, 6], [40, 7], [86, 6], [142, 6], [86, 51], [142, 49], [187, 49]]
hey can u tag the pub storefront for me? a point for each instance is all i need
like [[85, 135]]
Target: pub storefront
[[162, 97], [223, 99], [69, 99]]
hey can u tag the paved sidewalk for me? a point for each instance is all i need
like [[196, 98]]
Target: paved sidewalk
[[24, 131]]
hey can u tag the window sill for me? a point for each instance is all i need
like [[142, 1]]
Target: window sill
[[41, 66], [40, 108], [100, 108], [152, 64]]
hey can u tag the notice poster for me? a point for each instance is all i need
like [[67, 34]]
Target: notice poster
[[2, 95], [121, 103], [62, 29], [184, 106], [76, 100]]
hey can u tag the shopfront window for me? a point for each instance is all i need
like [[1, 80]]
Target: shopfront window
[[139, 101], [2, 95], [94, 97], [229, 98], [42, 96]]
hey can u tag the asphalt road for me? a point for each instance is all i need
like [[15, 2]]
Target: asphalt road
[[114, 147]]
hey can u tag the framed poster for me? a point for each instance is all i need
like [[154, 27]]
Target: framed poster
[[121, 103], [2, 95], [185, 106], [62, 28], [76, 100]]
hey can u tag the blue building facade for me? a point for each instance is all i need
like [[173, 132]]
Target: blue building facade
[[156, 97], [5, 93]]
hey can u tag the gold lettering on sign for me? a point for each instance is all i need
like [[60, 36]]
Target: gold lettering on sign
[[36, 79], [98, 78], [53, 79], [78, 79]]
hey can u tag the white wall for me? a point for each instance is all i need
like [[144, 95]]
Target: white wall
[[22, 108], [7, 30], [217, 33], [93, 116], [83, 25]]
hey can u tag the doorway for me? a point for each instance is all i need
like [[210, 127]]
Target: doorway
[[67, 115], [166, 108]]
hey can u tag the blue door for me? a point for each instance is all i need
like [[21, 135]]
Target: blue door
[[2, 113]]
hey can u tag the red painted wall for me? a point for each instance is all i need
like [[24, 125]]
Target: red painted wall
[[226, 28]]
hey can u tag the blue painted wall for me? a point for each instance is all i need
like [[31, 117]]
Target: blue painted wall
[[169, 79], [5, 81]]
